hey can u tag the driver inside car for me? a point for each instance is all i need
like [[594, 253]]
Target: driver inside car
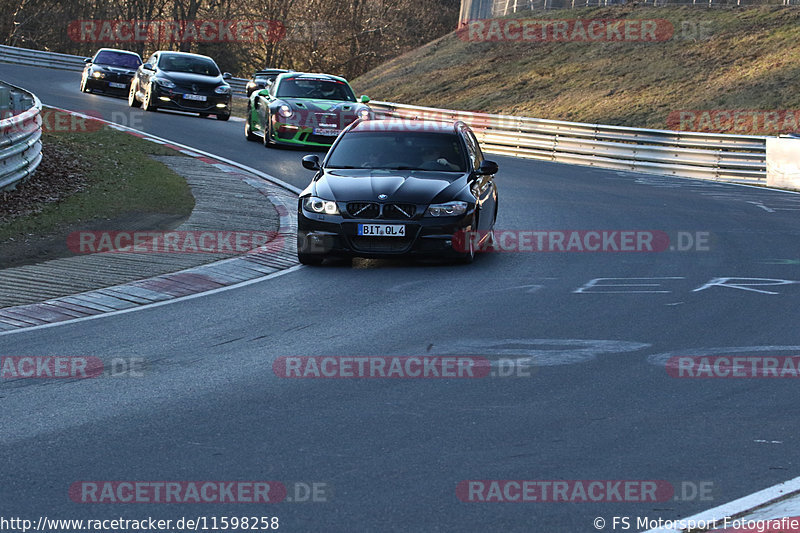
[[433, 158]]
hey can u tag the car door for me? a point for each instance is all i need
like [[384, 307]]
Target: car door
[[262, 104], [259, 104], [483, 186]]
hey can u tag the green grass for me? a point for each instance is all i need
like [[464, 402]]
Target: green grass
[[122, 180], [239, 107], [750, 59]]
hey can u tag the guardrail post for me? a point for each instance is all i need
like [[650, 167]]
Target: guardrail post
[[17, 102], [5, 99]]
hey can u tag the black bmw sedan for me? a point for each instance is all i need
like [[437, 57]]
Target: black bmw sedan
[[397, 187], [110, 71], [183, 82]]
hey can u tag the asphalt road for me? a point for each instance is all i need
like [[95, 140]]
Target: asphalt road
[[598, 403]]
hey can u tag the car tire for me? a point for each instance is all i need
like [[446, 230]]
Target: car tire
[[267, 137], [469, 256], [490, 244], [148, 104], [223, 116], [304, 256], [310, 259], [132, 101], [204, 115], [248, 132]]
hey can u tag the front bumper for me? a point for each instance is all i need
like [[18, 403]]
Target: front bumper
[[104, 84], [291, 135], [174, 99], [335, 235]]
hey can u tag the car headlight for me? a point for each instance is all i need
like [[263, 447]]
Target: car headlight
[[318, 205], [364, 113], [98, 74], [167, 84], [285, 111], [223, 89], [450, 209]]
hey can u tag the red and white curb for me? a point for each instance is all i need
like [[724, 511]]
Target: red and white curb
[[750, 513], [258, 264]]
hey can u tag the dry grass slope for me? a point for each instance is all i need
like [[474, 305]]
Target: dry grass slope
[[748, 59]]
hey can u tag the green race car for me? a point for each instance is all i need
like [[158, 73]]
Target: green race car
[[303, 109]]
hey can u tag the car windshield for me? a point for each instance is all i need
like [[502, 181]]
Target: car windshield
[[441, 152], [189, 64], [117, 59], [315, 88]]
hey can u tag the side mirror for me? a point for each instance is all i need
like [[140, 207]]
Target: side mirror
[[148, 66], [487, 168], [311, 162], [226, 76], [87, 60], [364, 98]]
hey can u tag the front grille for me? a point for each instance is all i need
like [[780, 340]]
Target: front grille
[[118, 78], [320, 139], [193, 104], [363, 209], [327, 120], [202, 88], [399, 211], [381, 244]]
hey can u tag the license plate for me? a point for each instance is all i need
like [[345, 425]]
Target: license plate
[[197, 97], [116, 85], [326, 131], [382, 230]]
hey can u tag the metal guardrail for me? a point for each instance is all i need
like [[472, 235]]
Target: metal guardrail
[[20, 135], [719, 157], [39, 58], [734, 158]]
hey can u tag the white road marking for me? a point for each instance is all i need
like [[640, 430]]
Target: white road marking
[[762, 206], [596, 284], [740, 507], [723, 282], [158, 304], [538, 352]]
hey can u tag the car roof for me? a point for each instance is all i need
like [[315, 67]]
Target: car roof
[[117, 50], [310, 75], [395, 124], [171, 53], [271, 71]]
